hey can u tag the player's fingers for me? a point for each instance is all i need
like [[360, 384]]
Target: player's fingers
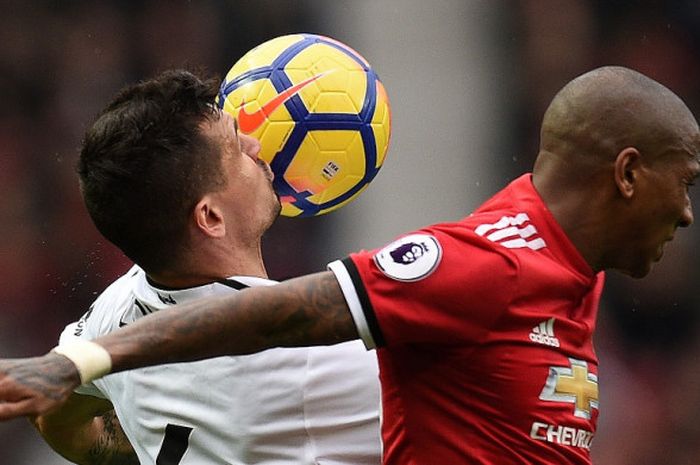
[[10, 410]]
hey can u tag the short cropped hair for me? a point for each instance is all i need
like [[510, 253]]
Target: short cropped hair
[[145, 163]]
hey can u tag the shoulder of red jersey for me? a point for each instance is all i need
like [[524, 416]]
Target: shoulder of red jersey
[[419, 287], [513, 231], [502, 232], [417, 255]]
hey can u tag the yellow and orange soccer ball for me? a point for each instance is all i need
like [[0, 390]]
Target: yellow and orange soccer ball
[[321, 114]]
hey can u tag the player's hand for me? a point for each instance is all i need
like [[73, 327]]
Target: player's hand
[[33, 386]]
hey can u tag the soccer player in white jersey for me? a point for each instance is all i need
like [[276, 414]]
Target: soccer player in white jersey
[[168, 179]]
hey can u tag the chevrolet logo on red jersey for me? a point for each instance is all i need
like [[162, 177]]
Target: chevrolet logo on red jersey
[[574, 385]]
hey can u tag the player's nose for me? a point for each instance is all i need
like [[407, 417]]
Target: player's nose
[[249, 145], [687, 217]]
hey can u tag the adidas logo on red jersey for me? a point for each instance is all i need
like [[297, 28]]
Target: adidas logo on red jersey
[[543, 333], [511, 234]]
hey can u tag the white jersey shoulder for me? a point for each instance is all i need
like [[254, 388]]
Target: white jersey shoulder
[[282, 406]]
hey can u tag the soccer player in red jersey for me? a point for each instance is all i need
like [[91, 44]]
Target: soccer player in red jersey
[[483, 327]]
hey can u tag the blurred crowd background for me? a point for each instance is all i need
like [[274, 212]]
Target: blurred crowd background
[[469, 81]]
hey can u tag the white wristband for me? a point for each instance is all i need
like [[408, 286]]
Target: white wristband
[[90, 358]]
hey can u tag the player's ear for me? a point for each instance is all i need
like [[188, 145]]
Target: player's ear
[[208, 218], [627, 171]]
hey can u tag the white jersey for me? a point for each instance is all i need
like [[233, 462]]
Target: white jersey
[[317, 405]]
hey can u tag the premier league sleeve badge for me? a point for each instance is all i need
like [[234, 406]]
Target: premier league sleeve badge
[[410, 258]]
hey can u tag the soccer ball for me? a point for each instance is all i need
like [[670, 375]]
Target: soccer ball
[[321, 114]]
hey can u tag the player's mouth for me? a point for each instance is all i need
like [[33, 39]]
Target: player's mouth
[[660, 252], [659, 255]]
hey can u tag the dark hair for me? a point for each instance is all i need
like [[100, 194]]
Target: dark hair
[[145, 163]]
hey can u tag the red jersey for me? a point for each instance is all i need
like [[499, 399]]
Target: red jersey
[[483, 330]]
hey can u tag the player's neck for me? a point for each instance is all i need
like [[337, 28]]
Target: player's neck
[[576, 209], [206, 266]]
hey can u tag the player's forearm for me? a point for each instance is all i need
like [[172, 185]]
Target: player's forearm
[[86, 431], [111, 446], [99, 442], [304, 311]]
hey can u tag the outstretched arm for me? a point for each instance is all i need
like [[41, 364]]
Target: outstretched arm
[[304, 311]]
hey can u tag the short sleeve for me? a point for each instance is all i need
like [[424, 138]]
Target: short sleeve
[[433, 286]]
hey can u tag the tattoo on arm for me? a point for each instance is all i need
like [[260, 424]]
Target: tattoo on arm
[[314, 311], [53, 376], [112, 447], [310, 310]]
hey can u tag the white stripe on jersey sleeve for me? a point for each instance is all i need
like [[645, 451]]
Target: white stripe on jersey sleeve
[[353, 301]]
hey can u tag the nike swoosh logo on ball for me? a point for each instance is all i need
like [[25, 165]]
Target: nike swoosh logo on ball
[[249, 122]]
